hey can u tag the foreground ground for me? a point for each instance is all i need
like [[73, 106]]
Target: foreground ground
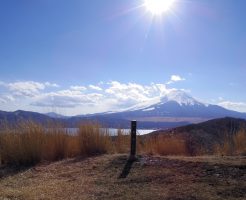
[[111, 177]]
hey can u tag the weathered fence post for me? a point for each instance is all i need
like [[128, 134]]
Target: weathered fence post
[[133, 140]]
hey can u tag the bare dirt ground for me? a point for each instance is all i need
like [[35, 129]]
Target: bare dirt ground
[[112, 177]]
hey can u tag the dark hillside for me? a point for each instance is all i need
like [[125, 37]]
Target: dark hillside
[[207, 134]]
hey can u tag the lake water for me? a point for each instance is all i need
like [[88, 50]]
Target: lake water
[[113, 131]]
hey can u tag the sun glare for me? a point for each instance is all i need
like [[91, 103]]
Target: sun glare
[[158, 7]]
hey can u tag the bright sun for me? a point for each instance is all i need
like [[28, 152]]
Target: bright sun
[[158, 7]]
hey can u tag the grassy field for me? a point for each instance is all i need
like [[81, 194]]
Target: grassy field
[[151, 177], [29, 143], [41, 163]]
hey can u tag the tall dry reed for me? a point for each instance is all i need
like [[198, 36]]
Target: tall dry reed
[[122, 142], [93, 139], [233, 145], [29, 143], [23, 145], [165, 145]]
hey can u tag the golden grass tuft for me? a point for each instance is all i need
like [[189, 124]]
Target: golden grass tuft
[[122, 142], [93, 139], [29, 143], [240, 142], [234, 145], [165, 145], [23, 145], [55, 144]]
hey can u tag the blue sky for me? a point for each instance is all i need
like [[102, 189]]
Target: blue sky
[[57, 50]]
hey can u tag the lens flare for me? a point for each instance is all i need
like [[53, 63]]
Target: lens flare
[[158, 7]]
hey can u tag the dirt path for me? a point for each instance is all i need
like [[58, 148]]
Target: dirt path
[[173, 178]]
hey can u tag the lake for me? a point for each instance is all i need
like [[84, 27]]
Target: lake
[[113, 131]]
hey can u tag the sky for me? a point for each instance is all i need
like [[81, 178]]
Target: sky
[[85, 56]]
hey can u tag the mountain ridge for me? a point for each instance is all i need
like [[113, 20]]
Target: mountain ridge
[[174, 109]]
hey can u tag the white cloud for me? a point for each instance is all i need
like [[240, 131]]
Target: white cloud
[[2, 101], [27, 88], [6, 98], [67, 98], [175, 78], [129, 94], [161, 89], [79, 99], [237, 106], [94, 87], [116, 96], [78, 88], [48, 84]]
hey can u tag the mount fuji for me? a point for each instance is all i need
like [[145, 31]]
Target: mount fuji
[[176, 108], [173, 109]]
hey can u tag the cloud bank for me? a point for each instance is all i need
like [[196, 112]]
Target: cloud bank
[[81, 99], [237, 106]]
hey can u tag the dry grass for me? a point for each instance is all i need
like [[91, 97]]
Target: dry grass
[[165, 145], [152, 177], [93, 140], [23, 145], [55, 145], [122, 142], [234, 145], [240, 142], [29, 143]]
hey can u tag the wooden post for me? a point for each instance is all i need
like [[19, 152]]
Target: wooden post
[[133, 140]]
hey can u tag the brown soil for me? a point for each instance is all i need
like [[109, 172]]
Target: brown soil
[[112, 177]]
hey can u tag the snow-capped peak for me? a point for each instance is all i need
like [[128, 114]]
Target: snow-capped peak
[[144, 104], [179, 96]]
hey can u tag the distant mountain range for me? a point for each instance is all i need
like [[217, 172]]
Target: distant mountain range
[[20, 115], [55, 115], [175, 109]]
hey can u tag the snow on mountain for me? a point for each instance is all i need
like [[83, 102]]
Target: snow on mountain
[[180, 97], [145, 104], [55, 115], [174, 109], [149, 109]]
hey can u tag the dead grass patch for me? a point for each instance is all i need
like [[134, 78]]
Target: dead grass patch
[[165, 145]]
